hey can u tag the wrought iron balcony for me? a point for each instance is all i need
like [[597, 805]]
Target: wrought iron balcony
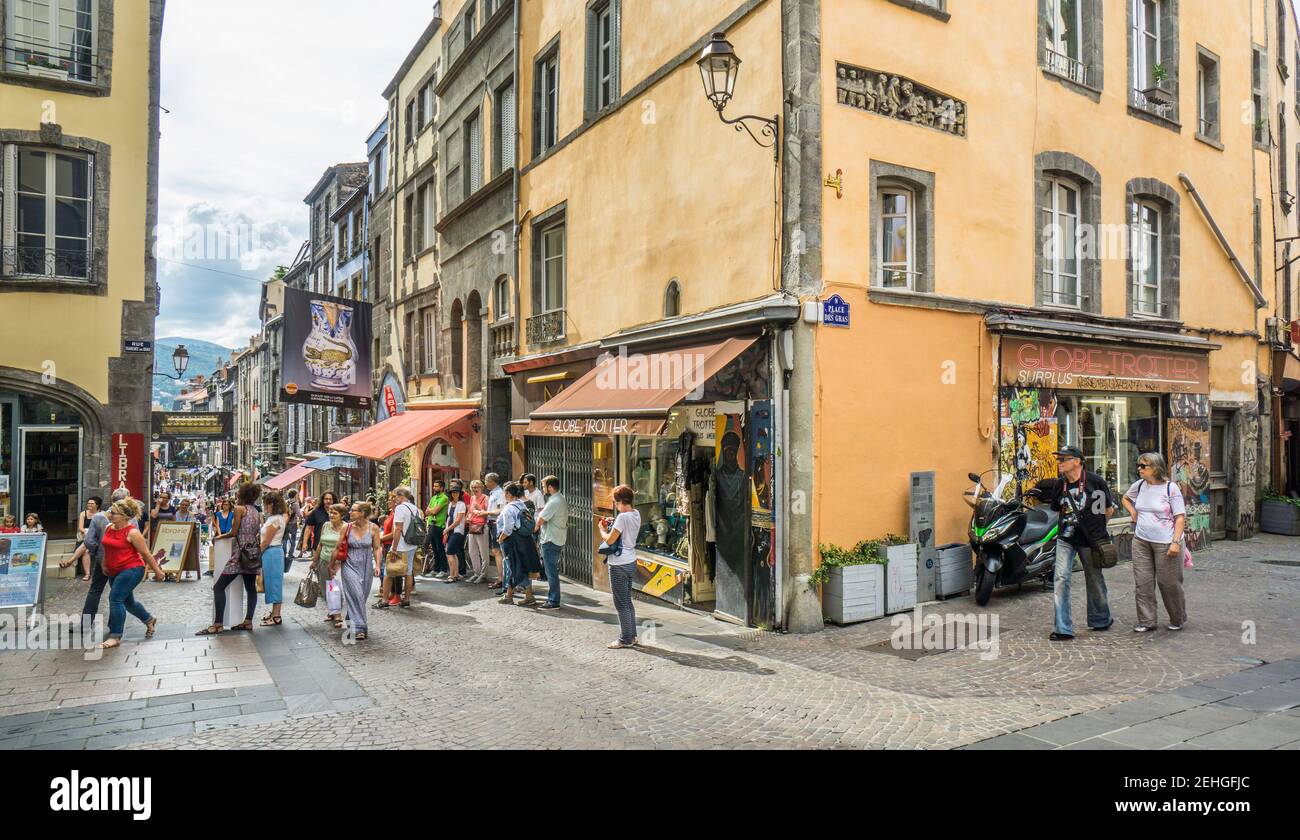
[[547, 327], [1059, 64], [74, 64], [53, 263], [1157, 100]]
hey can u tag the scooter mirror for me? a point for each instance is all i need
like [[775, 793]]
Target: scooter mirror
[[973, 476]]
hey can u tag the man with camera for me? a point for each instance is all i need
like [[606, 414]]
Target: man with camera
[[1084, 502]]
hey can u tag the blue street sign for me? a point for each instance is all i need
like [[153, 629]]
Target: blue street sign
[[835, 312]]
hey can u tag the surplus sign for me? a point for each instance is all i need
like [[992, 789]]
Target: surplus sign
[[1034, 363]]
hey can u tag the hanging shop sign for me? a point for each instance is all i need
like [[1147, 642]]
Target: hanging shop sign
[[128, 464], [697, 418], [193, 425], [391, 401], [326, 359], [1040, 363], [579, 426]]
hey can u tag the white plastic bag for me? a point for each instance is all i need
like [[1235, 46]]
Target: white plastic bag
[[333, 596]]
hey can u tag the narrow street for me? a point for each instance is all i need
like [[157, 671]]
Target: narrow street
[[459, 670]]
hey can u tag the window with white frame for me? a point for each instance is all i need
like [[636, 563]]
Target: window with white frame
[[473, 154], [1147, 258], [52, 38], [602, 55], [428, 215], [1064, 39], [47, 212], [501, 298], [429, 333], [1146, 43], [546, 101], [1061, 245], [551, 260], [897, 249], [1207, 94], [1258, 96]]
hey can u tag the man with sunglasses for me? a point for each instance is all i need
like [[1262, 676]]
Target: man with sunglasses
[[1085, 502]]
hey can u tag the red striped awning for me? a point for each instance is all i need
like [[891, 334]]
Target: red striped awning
[[288, 478], [401, 431]]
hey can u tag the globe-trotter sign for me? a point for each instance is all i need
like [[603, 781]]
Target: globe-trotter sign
[[1040, 363]]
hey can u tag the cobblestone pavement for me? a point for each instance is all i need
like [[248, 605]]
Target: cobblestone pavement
[[460, 670]]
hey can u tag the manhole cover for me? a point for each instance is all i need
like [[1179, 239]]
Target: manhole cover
[[1282, 562], [955, 635]]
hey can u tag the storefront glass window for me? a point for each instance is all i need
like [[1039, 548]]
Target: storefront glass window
[[47, 413], [650, 468], [1112, 431]]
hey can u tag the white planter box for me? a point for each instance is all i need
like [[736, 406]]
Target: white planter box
[[900, 577], [854, 593], [955, 572]]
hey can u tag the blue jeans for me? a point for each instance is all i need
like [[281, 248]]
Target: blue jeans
[[1098, 606], [551, 562], [121, 601]]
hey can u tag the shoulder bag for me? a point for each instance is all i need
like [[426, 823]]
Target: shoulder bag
[[341, 550], [308, 590], [249, 551]]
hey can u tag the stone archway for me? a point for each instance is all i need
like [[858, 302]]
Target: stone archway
[[473, 343]]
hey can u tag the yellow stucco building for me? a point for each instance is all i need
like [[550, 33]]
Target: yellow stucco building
[[79, 88]]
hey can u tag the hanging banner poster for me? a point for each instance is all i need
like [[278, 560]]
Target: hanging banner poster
[[22, 562], [326, 359]]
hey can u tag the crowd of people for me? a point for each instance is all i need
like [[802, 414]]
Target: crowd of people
[[504, 535]]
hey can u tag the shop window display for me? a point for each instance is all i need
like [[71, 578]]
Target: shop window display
[[1112, 431], [651, 466]]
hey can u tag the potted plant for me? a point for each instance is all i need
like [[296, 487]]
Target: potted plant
[[1280, 515], [1161, 92], [853, 582]]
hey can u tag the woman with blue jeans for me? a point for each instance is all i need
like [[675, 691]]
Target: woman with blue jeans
[[622, 567], [126, 556]]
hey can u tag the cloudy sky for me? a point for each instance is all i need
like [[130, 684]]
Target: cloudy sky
[[263, 96]]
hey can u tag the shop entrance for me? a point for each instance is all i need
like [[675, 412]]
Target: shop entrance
[[569, 459], [51, 470], [440, 464], [1220, 473]]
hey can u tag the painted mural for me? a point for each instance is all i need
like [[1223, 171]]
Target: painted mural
[[1189, 464], [1028, 436]]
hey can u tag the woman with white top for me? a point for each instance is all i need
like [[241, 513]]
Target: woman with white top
[[454, 534], [623, 529], [273, 555], [1160, 515]]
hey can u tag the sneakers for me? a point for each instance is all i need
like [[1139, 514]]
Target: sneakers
[[1142, 628], [549, 606], [394, 601], [441, 576], [1175, 627], [1061, 637], [527, 602], [506, 599], [426, 577]]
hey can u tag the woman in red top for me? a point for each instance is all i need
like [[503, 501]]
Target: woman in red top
[[126, 555]]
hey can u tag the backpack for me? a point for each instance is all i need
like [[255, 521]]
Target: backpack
[[416, 530]]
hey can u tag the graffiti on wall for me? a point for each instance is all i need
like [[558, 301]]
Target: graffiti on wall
[[1189, 463], [1028, 436], [1194, 406]]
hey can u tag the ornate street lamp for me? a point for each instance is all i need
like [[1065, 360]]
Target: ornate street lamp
[[180, 360], [719, 66]]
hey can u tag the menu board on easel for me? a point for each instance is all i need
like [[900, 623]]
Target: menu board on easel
[[22, 570], [179, 540]]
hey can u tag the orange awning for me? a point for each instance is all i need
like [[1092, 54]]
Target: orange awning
[[288, 478], [401, 431], [630, 394]]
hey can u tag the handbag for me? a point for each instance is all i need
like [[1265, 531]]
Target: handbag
[[308, 590], [341, 550], [395, 564], [249, 555]]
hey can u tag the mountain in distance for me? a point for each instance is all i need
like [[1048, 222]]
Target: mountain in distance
[[203, 359]]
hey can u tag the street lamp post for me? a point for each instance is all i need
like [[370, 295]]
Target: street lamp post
[[719, 66], [180, 360]]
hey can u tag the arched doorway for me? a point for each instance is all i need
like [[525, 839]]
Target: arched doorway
[[457, 345], [41, 455], [473, 343], [440, 464]]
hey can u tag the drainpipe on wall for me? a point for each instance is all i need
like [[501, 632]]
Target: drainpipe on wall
[[514, 217]]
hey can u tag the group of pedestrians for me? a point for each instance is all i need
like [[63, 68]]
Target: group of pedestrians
[[1085, 502]]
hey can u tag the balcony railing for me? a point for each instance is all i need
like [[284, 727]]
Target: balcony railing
[[24, 55], [53, 263], [503, 339], [1060, 64], [547, 327], [1140, 101]]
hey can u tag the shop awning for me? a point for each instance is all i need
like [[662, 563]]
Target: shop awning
[[400, 432], [1286, 371], [633, 393], [330, 462], [288, 478]]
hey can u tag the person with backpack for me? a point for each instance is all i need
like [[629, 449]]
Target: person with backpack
[[1160, 516], [515, 528], [409, 534]]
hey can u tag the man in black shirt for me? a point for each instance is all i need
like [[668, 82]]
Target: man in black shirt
[[1085, 502]]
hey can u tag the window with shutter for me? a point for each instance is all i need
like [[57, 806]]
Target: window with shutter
[[473, 154], [504, 142]]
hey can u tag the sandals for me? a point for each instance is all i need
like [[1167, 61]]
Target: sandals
[[338, 625], [149, 627], [211, 630], [381, 605], [331, 619], [272, 620], [109, 644], [244, 627], [405, 603], [360, 637]]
